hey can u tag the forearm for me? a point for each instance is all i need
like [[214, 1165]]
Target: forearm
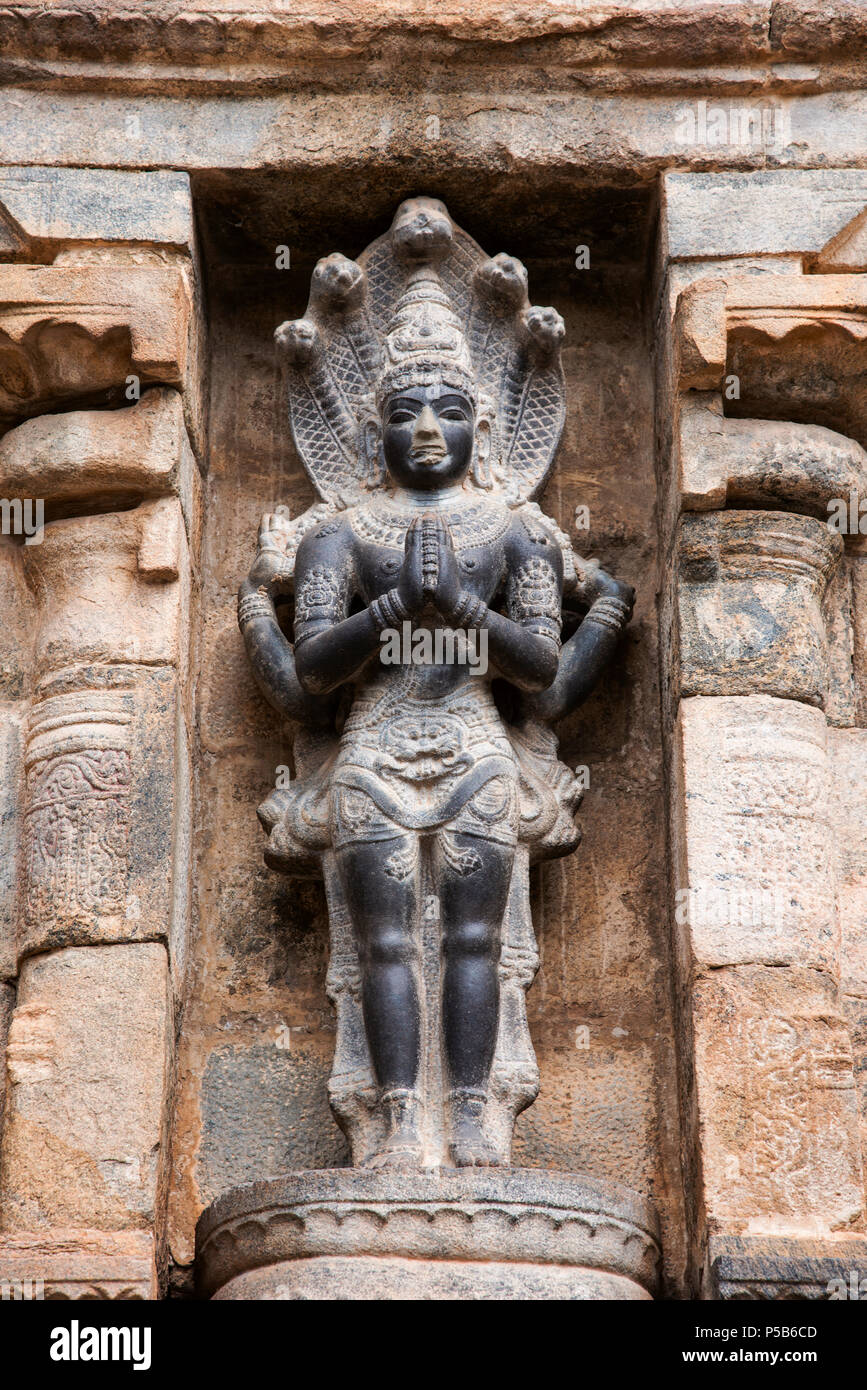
[[327, 659], [272, 659], [527, 659], [582, 660]]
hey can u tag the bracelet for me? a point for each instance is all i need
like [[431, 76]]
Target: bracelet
[[388, 610], [255, 605], [609, 612], [470, 611]]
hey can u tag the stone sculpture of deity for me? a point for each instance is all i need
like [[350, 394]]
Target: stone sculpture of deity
[[411, 624]]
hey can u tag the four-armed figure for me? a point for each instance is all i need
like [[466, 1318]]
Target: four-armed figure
[[427, 403]]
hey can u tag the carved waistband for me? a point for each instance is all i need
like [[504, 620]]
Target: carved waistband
[[429, 816]]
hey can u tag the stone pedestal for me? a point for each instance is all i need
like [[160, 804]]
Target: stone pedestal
[[498, 1234]]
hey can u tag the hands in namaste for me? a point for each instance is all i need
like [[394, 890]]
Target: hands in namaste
[[429, 573]]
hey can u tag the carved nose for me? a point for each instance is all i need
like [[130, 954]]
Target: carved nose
[[427, 430]]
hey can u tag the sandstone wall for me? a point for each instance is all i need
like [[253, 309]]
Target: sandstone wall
[[162, 992]]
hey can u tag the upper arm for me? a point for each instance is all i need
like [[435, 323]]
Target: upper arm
[[323, 582], [534, 587]]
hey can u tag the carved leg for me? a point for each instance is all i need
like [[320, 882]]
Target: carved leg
[[381, 883], [474, 876]]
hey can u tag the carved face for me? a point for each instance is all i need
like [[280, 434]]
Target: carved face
[[427, 436]]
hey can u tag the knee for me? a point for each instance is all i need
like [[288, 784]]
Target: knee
[[390, 944], [471, 938]]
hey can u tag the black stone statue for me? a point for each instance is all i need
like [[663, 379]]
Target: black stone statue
[[425, 669]]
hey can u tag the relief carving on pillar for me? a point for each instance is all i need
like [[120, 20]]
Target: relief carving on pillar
[[77, 824], [426, 668]]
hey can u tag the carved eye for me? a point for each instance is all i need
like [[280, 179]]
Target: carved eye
[[401, 417], [390, 566], [467, 563], [453, 413]]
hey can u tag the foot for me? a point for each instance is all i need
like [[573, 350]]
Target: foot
[[402, 1146], [469, 1146]]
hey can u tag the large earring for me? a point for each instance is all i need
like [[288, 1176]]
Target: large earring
[[485, 466], [372, 455]]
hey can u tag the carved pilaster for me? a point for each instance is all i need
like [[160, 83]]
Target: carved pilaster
[[104, 774], [758, 632]]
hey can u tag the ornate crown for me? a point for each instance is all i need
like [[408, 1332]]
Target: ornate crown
[[422, 304], [425, 342]]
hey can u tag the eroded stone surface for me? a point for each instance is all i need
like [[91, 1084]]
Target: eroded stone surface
[[777, 1108], [765, 463], [765, 212], [103, 459], [53, 207], [838, 608], [7, 1004], [101, 597], [78, 330], [768, 1267], [365, 1278], [748, 598], [87, 1060], [855, 1011], [79, 1264], [752, 834], [11, 747], [848, 764]]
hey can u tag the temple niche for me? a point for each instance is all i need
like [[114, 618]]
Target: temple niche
[[652, 1083], [622, 1068]]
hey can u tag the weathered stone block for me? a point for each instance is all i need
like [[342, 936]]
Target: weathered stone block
[[857, 564], [78, 1264], [76, 330], [777, 1109], [773, 306], [11, 786], [389, 1279], [264, 1108], [105, 853], [748, 605], [855, 1011], [761, 212], [104, 458], [791, 343], [724, 462], [16, 630], [7, 1004], [57, 206], [87, 1061], [751, 834], [766, 1267], [838, 612], [700, 335], [101, 596]]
